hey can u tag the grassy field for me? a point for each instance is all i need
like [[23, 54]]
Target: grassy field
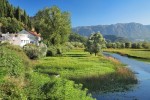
[[141, 54], [97, 73]]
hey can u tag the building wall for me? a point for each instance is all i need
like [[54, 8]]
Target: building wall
[[21, 39]]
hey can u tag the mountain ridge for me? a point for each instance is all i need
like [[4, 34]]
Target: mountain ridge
[[132, 31]]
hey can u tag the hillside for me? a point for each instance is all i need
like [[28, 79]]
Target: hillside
[[13, 19], [131, 31]]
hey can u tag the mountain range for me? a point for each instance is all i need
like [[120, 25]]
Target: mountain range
[[131, 31]]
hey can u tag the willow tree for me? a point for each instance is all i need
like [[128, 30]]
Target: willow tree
[[95, 43], [53, 24]]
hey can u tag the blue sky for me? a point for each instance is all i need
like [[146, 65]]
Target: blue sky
[[94, 12]]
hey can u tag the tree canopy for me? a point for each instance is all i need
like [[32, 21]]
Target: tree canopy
[[10, 14], [53, 24], [95, 43]]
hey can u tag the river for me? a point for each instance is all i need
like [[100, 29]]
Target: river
[[140, 91]]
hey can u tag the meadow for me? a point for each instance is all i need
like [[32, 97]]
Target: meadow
[[141, 54], [74, 74], [96, 73]]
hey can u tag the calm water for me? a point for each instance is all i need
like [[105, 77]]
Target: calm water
[[141, 91]]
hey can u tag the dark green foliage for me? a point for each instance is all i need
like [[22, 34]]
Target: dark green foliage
[[11, 25], [74, 37], [18, 14], [13, 19], [136, 45], [114, 38]]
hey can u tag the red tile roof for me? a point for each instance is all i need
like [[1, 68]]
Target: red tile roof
[[35, 33]]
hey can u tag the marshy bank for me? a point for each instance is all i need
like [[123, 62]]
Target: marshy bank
[[95, 73], [139, 91]]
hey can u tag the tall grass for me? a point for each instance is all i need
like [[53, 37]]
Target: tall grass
[[95, 73], [18, 81]]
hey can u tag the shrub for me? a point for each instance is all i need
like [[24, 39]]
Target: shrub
[[42, 49], [31, 51], [63, 89], [52, 51], [35, 52]]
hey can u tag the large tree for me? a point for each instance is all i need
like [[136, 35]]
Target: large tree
[[95, 43], [53, 24], [11, 25]]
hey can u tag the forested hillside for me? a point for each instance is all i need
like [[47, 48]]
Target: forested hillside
[[13, 19]]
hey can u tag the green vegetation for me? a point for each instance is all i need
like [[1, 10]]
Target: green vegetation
[[35, 52], [68, 76], [134, 45], [54, 25], [96, 73], [74, 37], [114, 38], [95, 43], [143, 54], [20, 82], [13, 19]]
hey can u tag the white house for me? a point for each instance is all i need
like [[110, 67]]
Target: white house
[[21, 38]]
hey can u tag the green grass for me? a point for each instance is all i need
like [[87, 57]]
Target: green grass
[[141, 54], [96, 73]]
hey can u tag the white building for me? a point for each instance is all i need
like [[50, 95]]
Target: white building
[[21, 38]]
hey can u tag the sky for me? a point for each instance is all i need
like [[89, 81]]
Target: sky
[[93, 12]]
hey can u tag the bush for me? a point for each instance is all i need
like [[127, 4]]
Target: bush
[[63, 89], [52, 51], [42, 49], [31, 51], [35, 52]]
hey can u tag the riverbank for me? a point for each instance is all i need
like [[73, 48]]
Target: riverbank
[[139, 91], [139, 54], [96, 73]]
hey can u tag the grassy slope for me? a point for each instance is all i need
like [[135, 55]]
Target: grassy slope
[[95, 73], [143, 54]]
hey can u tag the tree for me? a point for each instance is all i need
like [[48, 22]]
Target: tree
[[128, 45], [74, 37], [122, 45], [118, 44], [146, 45], [95, 43], [139, 45], [134, 45], [18, 14], [11, 25], [53, 24]]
